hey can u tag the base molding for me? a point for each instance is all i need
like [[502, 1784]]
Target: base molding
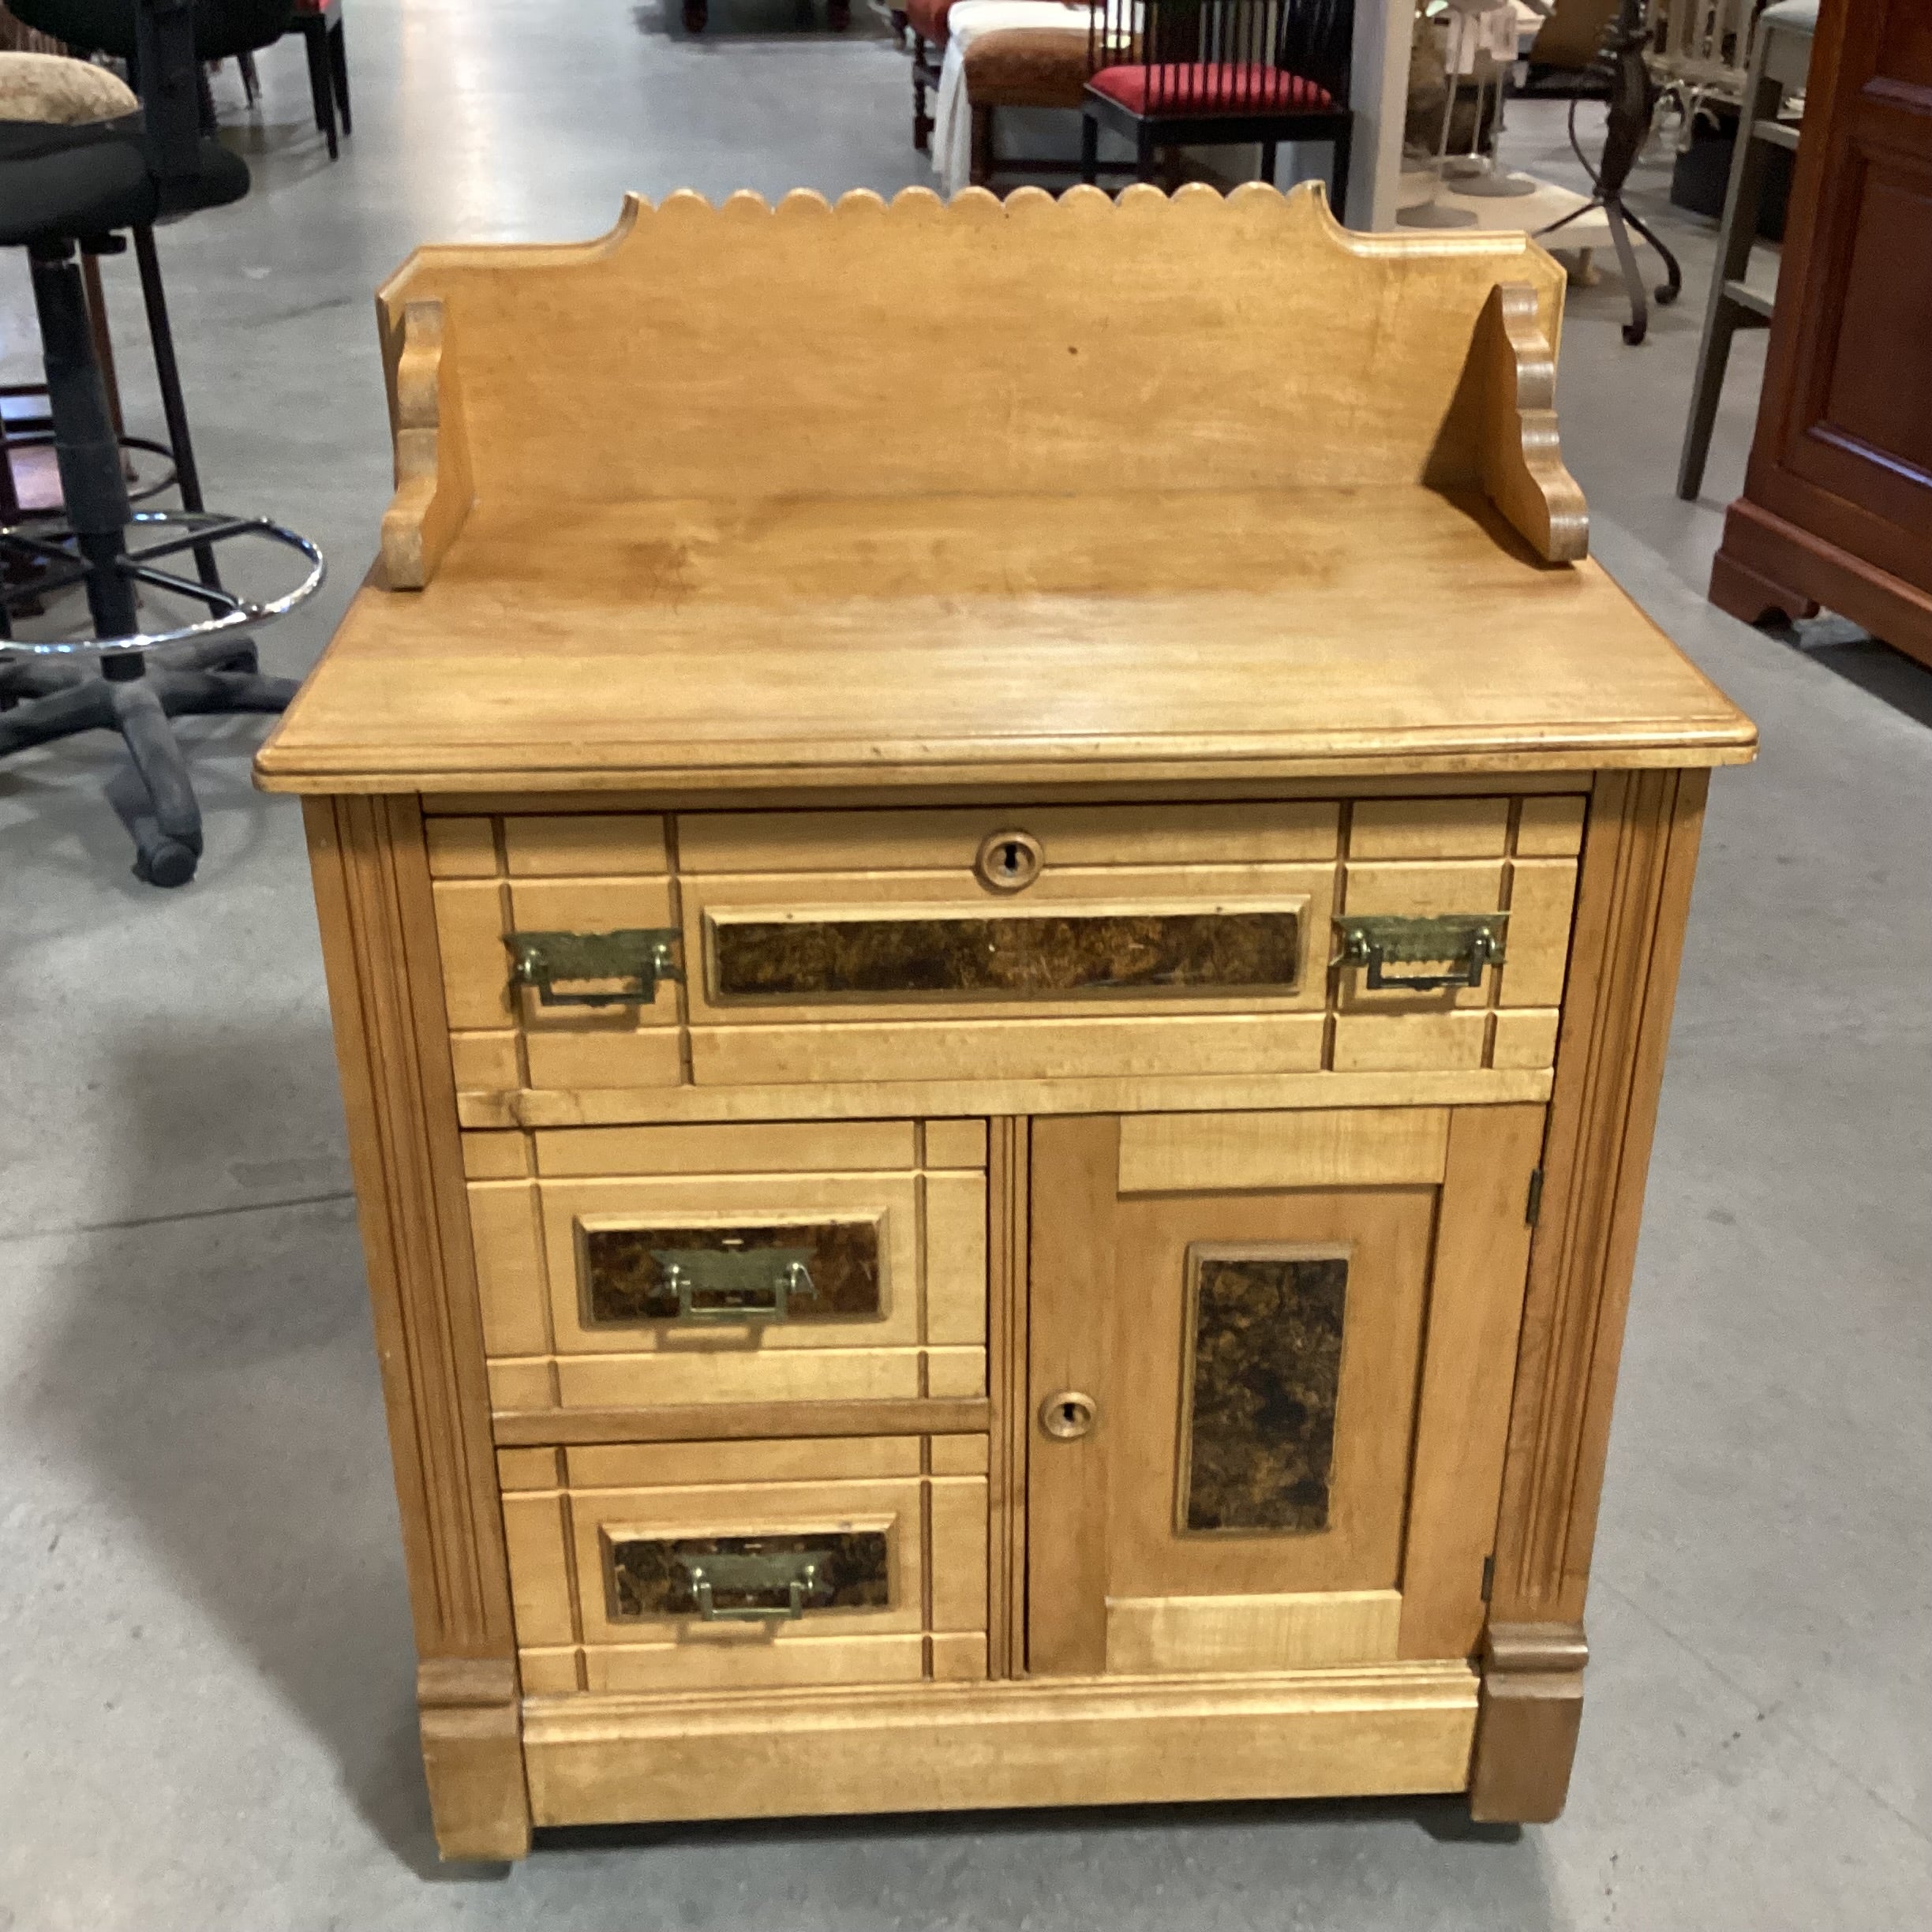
[[472, 1756], [1766, 564], [1383, 1731], [1526, 1735]]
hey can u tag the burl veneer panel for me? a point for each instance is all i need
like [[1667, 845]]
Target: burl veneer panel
[[625, 1284], [1266, 1368], [1016, 955], [650, 1577]]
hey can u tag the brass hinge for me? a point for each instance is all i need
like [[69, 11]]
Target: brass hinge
[[1488, 1576], [1533, 1208]]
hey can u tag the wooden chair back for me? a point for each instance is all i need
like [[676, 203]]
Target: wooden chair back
[[1200, 50]]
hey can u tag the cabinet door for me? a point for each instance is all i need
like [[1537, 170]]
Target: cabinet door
[[1270, 1360]]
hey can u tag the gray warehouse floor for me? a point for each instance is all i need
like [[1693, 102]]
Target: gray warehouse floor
[[206, 1714]]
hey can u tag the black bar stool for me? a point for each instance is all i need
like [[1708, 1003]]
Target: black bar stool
[[80, 160]]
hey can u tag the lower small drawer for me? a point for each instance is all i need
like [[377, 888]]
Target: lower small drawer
[[747, 1565]]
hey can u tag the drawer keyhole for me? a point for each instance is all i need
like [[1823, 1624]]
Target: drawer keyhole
[[1009, 862], [1069, 1416]]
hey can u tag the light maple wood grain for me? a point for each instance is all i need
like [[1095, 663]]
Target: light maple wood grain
[[792, 662], [1065, 1094], [1364, 1146], [1149, 1635], [1526, 1731], [1522, 463], [564, 349], [1049, 793], [1468, 1357], [718, 1422], [1001, 642], [1069, 835], [1010, 1425], [1388, 1728], [371, 874], [435, 485], [771, 1147], [1639, 855], [745, 1662]]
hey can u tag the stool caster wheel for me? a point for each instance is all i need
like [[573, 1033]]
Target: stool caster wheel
[[163, 861], [1635, 332], [1665, 295], [696, 13]]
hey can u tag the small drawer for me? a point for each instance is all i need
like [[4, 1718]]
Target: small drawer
[[727, 1565], [1454, 938], [559, 945], [842, 1260]]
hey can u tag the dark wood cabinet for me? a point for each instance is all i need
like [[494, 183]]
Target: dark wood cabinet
[[1837, 503]]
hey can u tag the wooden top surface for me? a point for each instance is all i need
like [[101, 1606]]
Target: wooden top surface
[[705, 647]]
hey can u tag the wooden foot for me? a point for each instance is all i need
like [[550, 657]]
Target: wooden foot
[[1526, 1728], [1743, 592], [472, 1756]]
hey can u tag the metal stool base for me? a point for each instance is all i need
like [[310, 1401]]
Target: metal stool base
[[64, 697], [57, 688], [52, 551]]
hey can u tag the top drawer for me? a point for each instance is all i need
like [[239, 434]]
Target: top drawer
[[757, 948]]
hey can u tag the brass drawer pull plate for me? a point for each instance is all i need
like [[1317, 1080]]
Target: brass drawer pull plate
[[641, 955], [778, 1273], [791, 1574], [1471, 941]]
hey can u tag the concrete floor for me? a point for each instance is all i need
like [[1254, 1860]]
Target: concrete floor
[[206, 1719]]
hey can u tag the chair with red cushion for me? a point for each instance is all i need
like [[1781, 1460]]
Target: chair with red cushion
[[1175, 73]]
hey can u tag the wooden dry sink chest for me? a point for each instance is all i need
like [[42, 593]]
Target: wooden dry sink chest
[[1002, 953]]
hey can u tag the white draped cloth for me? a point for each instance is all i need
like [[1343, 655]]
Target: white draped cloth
[[951, 140]]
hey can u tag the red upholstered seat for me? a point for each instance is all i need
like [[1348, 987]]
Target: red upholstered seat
[[1180, 86], [927, 18]]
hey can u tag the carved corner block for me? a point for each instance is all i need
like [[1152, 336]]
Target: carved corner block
[[473, 1757], [434, 486], [1527, 1727], [1522, 453]]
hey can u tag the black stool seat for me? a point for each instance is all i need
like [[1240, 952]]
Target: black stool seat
[[74, 161], [92, 180]]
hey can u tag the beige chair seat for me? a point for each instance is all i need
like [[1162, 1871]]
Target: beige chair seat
[[53, 90]]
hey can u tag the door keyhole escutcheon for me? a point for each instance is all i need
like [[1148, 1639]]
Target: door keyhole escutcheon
[[1069, 1415], [1009, 862]]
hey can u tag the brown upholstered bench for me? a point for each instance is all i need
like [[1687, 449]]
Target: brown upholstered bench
[[1021, 67]]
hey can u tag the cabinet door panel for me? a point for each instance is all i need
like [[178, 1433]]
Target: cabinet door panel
[[1227, 1387]]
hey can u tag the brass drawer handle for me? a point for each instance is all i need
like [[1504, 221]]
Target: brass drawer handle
[[643, 955], [1472, 940], [792, 1575], [778, 1273]]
